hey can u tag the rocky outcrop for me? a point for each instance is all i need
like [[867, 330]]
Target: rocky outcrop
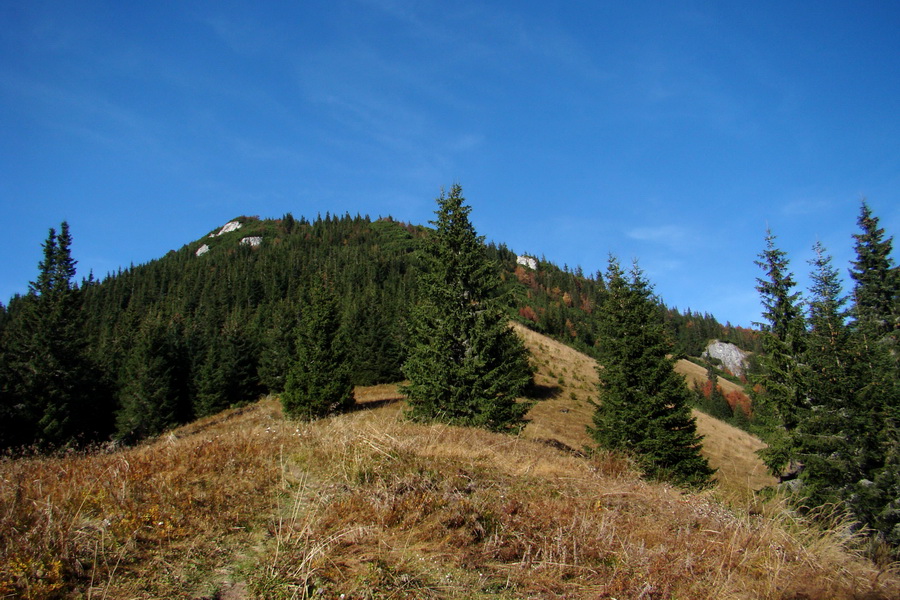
[[228, 227], [733, 358], [254, 241], [527, 261], [202, 250]]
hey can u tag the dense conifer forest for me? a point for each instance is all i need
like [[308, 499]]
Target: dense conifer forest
[[214, 324]]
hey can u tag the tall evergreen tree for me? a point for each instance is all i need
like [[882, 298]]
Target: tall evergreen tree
[[877, 280], [644, 404], [465, 365], [60, 394], [783, 376], [876, 331], [826, 441], [318, 382]]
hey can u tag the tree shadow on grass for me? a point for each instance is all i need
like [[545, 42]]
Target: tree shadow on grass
[[373, 404], [538, 391]]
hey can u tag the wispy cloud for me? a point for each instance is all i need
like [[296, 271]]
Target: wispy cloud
[[88, 115], [669, 235], [244, 36], [806, 206]]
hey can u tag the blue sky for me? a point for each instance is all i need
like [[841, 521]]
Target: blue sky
[[672, 132]]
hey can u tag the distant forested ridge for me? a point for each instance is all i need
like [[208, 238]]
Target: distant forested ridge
[[213, 324]]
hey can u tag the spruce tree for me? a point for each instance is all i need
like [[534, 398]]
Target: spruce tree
[[825, 441], [831, 385], [318, 383], [783, 376], [877, 280], [60, 396], [644, 404], [875, 331], [465, 365]]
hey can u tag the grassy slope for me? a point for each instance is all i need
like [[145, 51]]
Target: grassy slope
[[246, 504], [570, 379]]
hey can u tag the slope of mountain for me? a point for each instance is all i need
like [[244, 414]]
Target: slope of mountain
[[244, 504], [568, 378]]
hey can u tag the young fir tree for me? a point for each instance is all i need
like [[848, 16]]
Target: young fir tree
[[465, 365], [644, 404], [783, 376], [826, 441], [318, 383]]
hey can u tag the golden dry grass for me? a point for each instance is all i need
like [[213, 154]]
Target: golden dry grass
[[572, 377], [367, 505], [695, 374]]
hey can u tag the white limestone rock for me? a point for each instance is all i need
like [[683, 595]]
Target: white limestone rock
[[228, 227], [527, 261], [252, 241], [733, 358], [202, 250]]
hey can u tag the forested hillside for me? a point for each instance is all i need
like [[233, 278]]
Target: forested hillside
[[213, 324]]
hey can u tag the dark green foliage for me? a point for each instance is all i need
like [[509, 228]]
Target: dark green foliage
[[228, 375], [52, 393], [155, 392], [259, 292], [318, 382], [823, 441], [644, 404], [693, 331], [852, 390], [831, 383], [465, 365], [372, 267], [784, 341], [876, 305], [875, 330], [278, 334], [376, 352], [563, 304]]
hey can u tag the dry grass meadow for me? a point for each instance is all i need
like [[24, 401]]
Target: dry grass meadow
[[367, 505]]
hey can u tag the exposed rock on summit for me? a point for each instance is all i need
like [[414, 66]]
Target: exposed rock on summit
[[228, 227]]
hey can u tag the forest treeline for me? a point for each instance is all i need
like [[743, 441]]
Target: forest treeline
[[214, 324]]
